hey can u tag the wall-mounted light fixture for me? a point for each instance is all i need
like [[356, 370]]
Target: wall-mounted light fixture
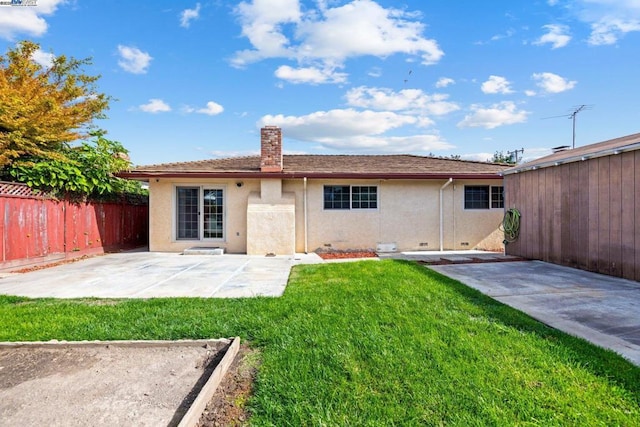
[[239, 184]]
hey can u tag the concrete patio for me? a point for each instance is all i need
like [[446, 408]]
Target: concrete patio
[[155, 274]]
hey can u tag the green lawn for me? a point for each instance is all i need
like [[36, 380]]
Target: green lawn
[[373, 343]]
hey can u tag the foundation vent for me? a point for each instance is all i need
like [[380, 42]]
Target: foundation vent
[[386, 247]]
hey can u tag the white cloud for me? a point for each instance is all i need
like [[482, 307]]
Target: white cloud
[[444, 82], [530, 92], [133, 59], [155, 106], [608, 30], [497, 84], [509, 33], [610, 20], [212, 109], [407, 100], [504, 113], [226, 154], [26, 20], [262, 23], [311, 75], [349, 129], [531, 154], [43, 58], [188, 15], [553, 83], [330, 35], [556, 36], [321, 125], [477, 157]]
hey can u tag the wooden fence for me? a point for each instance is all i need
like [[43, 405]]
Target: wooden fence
[[583, 214], [35, 229]]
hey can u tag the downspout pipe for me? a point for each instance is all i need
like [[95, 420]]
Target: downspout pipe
[[304, 210], [442, 213]]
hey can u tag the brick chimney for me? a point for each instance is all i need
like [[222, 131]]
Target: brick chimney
[[271, 149]]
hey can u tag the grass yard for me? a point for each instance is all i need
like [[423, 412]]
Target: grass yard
[[373, 343]]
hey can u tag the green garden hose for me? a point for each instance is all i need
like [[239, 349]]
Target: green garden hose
[[511, 225]]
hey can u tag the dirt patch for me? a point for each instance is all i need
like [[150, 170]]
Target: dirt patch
[[110, 384], [347, 254], [228, 405], [53, 264]]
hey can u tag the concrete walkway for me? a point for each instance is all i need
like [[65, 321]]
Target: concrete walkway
[[601, 309], [154, 274]]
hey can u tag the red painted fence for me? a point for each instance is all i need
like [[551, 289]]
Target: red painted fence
[[35, 229]]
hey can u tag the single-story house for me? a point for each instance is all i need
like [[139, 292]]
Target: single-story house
[[283, 204], [580, 207]]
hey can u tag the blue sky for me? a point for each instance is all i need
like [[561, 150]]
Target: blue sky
[[197, 79]]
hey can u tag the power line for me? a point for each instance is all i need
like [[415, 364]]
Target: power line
[[515, 153]]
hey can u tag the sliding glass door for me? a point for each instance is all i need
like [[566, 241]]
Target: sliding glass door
[[199, 213], [213, 214]]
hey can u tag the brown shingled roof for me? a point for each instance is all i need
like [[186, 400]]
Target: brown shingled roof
[[326, 166]]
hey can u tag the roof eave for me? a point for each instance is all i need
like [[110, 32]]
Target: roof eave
[[145, 176], [571, 159]]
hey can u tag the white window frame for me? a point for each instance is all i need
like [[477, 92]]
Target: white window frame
[[201, 188], [490, 197]]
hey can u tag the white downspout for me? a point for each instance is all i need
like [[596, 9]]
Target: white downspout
[[304, 199], [442, 213]]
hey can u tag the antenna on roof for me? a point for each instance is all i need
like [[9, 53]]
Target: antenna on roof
[[572, 116]]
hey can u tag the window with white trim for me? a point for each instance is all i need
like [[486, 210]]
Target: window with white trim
[[350, 197], [199, 213], [483, 197]]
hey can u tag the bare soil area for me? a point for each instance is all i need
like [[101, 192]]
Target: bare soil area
[[227, 406], [144, 384], [347, 254]]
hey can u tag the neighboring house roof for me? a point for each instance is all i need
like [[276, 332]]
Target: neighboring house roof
[[326, 166], [600, 149]]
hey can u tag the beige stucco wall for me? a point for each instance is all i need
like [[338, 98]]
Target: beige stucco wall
[[162, 214], [271, 225], [407, 215]]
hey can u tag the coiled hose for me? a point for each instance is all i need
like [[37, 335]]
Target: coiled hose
[[511, 225]]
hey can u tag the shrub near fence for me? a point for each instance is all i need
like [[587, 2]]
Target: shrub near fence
[[35, 229]]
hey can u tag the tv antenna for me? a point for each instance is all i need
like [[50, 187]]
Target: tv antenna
[[572, 116]]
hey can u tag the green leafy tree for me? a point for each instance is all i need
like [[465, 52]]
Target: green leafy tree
[[88, 170], [43, 109], [500, 157]]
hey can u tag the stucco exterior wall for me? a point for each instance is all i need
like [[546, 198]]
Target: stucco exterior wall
[[408, 215], [162, 214], [271, 225], [271, 222]]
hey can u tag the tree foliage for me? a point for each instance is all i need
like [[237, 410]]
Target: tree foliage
[[88, 170], [500, 157], [43, 109]]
